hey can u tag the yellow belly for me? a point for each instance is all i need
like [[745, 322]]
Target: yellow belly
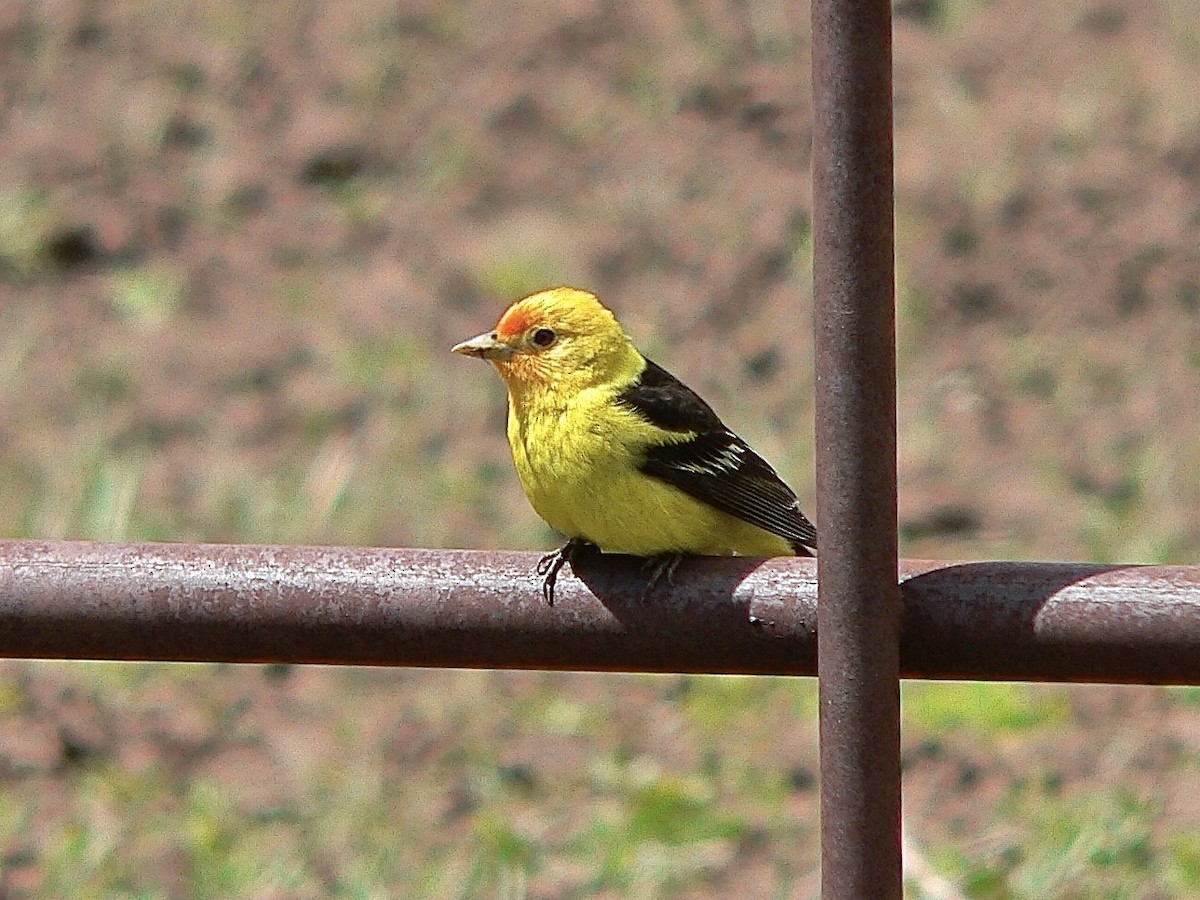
[[579, 473]]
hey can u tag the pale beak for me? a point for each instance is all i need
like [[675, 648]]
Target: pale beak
[[485, 346]]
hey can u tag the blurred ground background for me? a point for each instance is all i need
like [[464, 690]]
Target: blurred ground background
[[236, 241]]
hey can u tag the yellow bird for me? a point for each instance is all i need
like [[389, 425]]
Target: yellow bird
[[618, 454]]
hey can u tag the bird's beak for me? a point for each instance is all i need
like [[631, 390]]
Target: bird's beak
[[485, 346]]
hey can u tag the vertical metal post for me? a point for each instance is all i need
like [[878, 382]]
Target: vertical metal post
[[858, 597]]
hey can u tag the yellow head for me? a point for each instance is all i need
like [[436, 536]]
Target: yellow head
[[563, 338]]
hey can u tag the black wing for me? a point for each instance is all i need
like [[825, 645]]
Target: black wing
[[715, 466]]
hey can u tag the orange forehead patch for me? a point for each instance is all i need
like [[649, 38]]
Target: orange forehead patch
[[516, 320]]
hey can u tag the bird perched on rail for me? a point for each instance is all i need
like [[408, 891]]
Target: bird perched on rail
[[618, 454]]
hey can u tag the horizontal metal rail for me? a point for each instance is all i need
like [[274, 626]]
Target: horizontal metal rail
[[474, 609]]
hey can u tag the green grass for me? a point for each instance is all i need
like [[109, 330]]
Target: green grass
[[639, 786], [25, 221], [938, 709], [147, 298], [517, 275], [1097, 844]]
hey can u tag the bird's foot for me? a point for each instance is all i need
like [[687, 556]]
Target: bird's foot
[[551, 564], [660, 568]]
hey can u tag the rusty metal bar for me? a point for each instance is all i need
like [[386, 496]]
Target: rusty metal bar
[[858, 614], [340, 605], [460, 608]]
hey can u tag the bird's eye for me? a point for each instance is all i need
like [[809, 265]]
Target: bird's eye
[[543, 337]]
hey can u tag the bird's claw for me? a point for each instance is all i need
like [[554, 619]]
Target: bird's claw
[[551, 564], [548, 568], [658, 568]]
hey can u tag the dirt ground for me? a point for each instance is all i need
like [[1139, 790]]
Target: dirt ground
[[237, 240]]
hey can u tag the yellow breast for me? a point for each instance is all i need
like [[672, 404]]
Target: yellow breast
[[578, 463]]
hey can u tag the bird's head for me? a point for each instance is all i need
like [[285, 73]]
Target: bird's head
[[562, 337]]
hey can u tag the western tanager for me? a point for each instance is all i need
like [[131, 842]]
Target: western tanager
[[615, 452]]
